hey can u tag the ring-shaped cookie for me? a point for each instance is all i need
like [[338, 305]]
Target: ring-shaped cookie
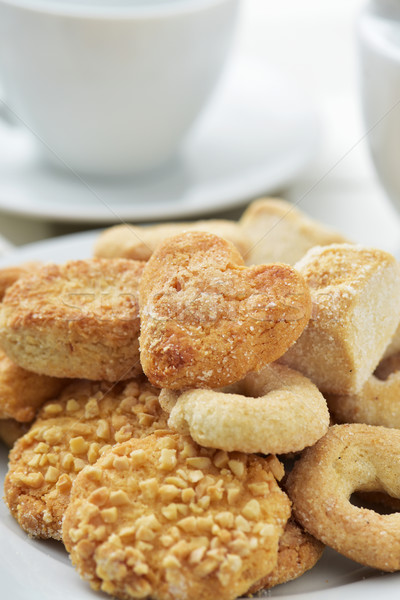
[[275, 411], [350, 458]]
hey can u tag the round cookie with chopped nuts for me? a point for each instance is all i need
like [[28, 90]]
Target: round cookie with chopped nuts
[[162, 517], [69, 433]]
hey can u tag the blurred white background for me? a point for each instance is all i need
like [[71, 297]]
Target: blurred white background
[[313, 43]]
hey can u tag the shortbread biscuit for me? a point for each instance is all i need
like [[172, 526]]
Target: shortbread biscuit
[[77, 320], [139, 242], [275, 411], [9, 275], [164, 518], [280, 232], [69, 433], [298, 552], [355, 293], [11, 430], [207, 320], [23, 392]]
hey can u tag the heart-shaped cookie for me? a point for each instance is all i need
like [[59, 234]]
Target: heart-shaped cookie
[[207, 320]]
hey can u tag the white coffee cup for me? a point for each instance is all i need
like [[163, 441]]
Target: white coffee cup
[[111, 87], [378, 33]]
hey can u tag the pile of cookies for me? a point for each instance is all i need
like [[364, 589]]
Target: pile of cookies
[[147, 391]]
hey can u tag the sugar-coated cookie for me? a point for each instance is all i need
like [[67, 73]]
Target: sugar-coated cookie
[[275, 411], [207, 320], [355, 293]]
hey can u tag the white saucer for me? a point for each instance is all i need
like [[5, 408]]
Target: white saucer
[[257, 134]]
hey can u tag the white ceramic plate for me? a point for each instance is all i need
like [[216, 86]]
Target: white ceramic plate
[[256, 135], [40, 570]]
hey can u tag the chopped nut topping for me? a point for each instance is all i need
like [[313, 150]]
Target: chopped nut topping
[[237, 467], [171, 562], [72, 405], [78, 445], [168, 459], [233, 495], [53, 435], [99, 496], [110, 515], [188, 524], [68, 462], [221, 459], [198, 462], [52, 474], [149, 488], [34, 462], [188, 495], [169, 492], [118, 498], [33, 480], [252, 510], [121, 463], [103, 430], [93, 452], [51, 410], [64, 483], [170, 512], [138, 457], [260, 488], [276, 467], [42, 448], [91, 409], [242, 524]]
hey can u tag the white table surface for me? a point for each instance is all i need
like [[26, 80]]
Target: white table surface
[[314, 43]]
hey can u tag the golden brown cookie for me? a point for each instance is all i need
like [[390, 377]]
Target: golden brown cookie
[[298, 552], [280, 232], [275, 411], [347, 459], [9, 275], [207, 320], [355, 293], [69, 433], [164, 518], [23, 392], [139, 242], [77, 320]]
